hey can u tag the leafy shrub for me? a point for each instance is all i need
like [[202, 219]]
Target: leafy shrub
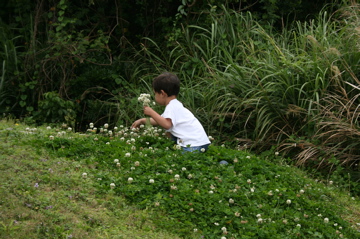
[[54, 109]]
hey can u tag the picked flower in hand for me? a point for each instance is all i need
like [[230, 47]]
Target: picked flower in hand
[[145, 99]]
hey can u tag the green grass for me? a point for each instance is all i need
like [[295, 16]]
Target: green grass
[[44, 192], [64, 205]]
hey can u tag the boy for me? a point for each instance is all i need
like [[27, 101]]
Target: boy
[[183, 126]]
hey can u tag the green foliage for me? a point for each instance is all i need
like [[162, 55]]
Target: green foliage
[[265, 86], [54, 109], [246, 70], [9, 68]]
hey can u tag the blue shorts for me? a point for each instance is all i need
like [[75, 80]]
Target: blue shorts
[[191, 149], [196, 148]]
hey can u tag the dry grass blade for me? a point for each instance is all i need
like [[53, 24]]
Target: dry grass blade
[[338, 128]]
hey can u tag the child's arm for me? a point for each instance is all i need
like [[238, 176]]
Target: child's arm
[[163, 122]]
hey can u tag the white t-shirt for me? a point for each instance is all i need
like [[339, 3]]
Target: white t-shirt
[[185, 126]]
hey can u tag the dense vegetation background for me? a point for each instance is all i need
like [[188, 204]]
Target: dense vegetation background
[[257, 73]]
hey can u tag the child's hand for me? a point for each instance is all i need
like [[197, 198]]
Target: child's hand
[[149, 111], [137, 123]]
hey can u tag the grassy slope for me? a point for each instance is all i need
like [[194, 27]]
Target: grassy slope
[[65, 205], [62, 200]]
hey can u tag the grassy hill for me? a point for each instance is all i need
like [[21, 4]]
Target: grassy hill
[[119, 183]]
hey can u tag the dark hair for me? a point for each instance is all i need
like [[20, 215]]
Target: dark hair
[[167, 82]]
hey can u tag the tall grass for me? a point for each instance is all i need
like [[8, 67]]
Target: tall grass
[[8, 69], [268, 87]]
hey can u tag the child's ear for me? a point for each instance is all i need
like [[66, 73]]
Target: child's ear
[[163, 93]]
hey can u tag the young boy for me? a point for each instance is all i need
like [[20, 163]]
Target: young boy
[[183, 126]]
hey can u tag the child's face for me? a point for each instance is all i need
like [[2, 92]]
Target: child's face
[[160, 98]]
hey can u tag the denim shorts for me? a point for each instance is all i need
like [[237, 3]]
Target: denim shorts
[[191, 149], [196, 148]]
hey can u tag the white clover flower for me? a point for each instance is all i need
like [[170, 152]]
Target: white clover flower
[[223, 229], [106, 126], [137, 163], [84, 175], [190, 176], [51, 137], [96, 139], [127, 154], [212, 187], [260, 220], [231, 201], [302, 191], [258, 215], [202, 150], [112, 185], [248, 181], [237, 214], [69, 128], [183, 169], [48, 128], [145, 99], [270, 193], [151, 181], [276, 153], [130, 180], [195, 229], [236, 160], [216, 224], [91, 125], [173, 187], [118, 164], [116, 160], [157, 204], [248, 157], [331, 182], [133, 148], [170, 171], [288, 202], [211, 192], [223, 238], [177, 176], [132, 168], [107, 142], [326, 220], [298, 225], [252, 189], [285, 221]]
